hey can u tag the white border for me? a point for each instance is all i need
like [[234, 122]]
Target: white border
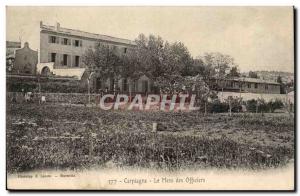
[[4, 3]]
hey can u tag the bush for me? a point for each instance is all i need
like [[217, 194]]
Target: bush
[[222, 107], [261, 105], [273, 105], [218, 107], [251, 105]]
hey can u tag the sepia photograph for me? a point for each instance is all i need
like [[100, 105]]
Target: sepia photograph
[[150, 98]]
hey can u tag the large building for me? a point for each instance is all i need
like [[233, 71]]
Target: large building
[[11, 48], [62, 49], [246, 85], [65, 47]]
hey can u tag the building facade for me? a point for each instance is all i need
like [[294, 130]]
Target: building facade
[[11, 48], [64, 48], [26, 61], [246, 85]]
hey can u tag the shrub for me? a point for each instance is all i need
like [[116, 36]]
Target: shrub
[[251, 105], [218, 107], [221, 107], [261, 105], [273, 105]]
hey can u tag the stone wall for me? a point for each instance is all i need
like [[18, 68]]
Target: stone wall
[[72, 98]]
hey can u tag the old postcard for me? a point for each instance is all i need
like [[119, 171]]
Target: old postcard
[[150, 98]]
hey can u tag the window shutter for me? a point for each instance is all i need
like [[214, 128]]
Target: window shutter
[[75, 61], [49, 38], [49, 57], [69, 60], [73, 42], [56, 59], [60, 59], [62, 40], [69, 42], [80, 43], [72, 61], [57, 40]]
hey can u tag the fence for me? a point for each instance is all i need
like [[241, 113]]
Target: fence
[[82, 98], [73, 98]]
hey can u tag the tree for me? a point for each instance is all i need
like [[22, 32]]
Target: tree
[[234, 72], [179, 58], [166, 64], [283, 86], [103, 61], [206, 71], [131, 68], [273, 105], [253, 74], [219, 62], [149, 53], [233, 103], [217, 67]]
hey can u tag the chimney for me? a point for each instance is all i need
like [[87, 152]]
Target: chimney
[[57, 26]]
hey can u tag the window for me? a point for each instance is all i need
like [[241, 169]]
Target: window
[[249, 85], [53, 57], [65, 41], [76, 61], [77, 43], [240, 85], [53, 39], [65, 59], [231, 84], [125, 50], [266, 87], [255, 85]]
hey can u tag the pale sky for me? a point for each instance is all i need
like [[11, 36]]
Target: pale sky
[[259, 38]]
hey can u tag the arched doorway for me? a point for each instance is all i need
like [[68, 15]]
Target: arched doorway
[[45, 71]]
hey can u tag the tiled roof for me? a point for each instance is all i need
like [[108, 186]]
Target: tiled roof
[[87, 34], [255, 80], [252, 80], [11, 44]]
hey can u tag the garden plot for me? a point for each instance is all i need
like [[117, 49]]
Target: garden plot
[[66, 137]]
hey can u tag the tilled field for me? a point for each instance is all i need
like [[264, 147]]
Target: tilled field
[[77, 137]]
